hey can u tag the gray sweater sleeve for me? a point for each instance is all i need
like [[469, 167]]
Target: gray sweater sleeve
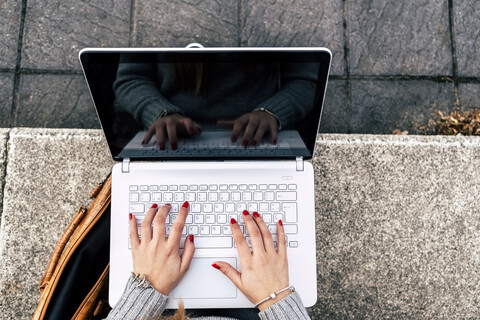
[[138, 303], [290, 307]]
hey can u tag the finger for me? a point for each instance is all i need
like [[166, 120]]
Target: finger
[[172, 133], [274, 132], [178, 225], [249, 132], [134, 240], [188, 123], [197, 129], [188, 251], [282, 242], [266, 234], [160, 133], [149, 134], [262, 127], [238, 126], [146, 227], [255, 235], [242, 246], [159, 223], [230, 272], [226, 124]]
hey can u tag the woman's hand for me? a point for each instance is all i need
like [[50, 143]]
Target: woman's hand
[[156, 256], [264, 269], [169, 127], [256, 125]]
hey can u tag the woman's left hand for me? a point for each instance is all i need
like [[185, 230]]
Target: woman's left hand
[[157, 256], [256, 124]]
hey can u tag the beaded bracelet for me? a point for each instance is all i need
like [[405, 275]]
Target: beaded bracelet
[[274, 294], [141, 280]]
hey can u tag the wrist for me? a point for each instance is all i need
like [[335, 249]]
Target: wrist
[[274, 297]]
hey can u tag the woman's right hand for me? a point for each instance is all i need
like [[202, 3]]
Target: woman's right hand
[[169, 127], [264, 269]]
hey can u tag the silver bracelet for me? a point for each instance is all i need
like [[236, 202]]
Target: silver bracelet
[[273, 295], [272, 114], [141, 280]]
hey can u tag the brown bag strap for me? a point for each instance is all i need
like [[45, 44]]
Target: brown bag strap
[[62, 242]]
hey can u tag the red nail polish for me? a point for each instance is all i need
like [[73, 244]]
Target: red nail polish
[[162, 146], [168, 204], [255, 214], [154, 205], [190, 237], [185, 204], [130, 216], [280, 222], [233, 221], [216, 266], [174, 146], [245, 213]]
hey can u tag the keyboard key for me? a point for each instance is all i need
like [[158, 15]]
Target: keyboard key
[[190, 196], [163, 188], [292, 187], [282, 187], [213, 187], [286, 196], [264, 207], [216, 230], [224, 196], [145, 197], [267, 217], [210, 218], [173, 187], [277, 216], [272, 187], [195, 207], [258, 196], [232, 216], [168, 197], [174, 207], [137, 208], [134, 197], [198, 218], [133, 188], [218, 207], [274, 206], [204, 230], [247, 196], [156, 197], [236, 196], [222, 218], [252, 187], [179, 197], [252, 206], [223, 187], [269, 196], [212, 196], [183, 187], [189, 219], [290, 210], [202, 196], [193, 230], [293, 244], [229, 207], [226, 230], [290, 228], [154, 188], [241, 206], [203, 187], [193, 187], [207, 207], [243, 187], [233, 187], [263, 187], [143, 188]]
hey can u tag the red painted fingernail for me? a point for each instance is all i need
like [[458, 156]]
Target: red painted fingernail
[[255, 214], [130, 216], [216, 266], [280, 222], [185, 204], [190, 237], [168, 204], [233, 221], [154, 205], [254, 142], [245, 213], [174, 146], [162, 146], [275, 141]]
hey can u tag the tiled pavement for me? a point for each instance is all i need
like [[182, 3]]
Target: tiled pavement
[[395, 62]]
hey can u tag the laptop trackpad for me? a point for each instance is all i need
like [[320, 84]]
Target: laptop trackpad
[[203, 281]]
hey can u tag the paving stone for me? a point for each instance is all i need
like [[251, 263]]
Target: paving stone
[[467, 36], [389, 37], [6, 93], [469, 95], [50, 175], [177, 23], [336, 113], [56, 30], [55, 101], [3, 158], [291, 23], [10, 16], [383, 106], [398, 227]]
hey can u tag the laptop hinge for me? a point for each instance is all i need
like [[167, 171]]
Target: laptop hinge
[[126, 165], [299, 161]]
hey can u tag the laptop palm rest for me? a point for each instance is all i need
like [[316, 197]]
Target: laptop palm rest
[[202, 281]]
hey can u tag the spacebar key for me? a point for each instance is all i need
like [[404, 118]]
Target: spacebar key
[[213, 242]]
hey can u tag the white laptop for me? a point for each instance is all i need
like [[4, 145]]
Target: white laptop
[[218, 177]]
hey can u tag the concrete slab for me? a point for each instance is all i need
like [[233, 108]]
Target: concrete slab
[[3, 162], [50, 174], [177, 23], [56, 30], [6, 94], [336, 110], [396, 37], [467, 36], [398, 227], [51, 100], [290, 23], [383, 106], [469, 95], [10, 15]]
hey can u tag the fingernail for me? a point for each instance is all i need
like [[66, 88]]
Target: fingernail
[[190, 237], [185, 204], [255, 214], [162, 146], [190, 131], [275, 141], [254, 142], [233, 139], [245, 213], [244, 143], [216, 266], [130, 216], [233, 221], [168, 204], [280, 222], [174, 146], [154, 205]]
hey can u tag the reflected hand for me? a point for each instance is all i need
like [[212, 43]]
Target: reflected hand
[[167, 128], [156, 256], [256, 124], [264, 269]]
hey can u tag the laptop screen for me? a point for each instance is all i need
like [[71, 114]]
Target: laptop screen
[[161, 104]]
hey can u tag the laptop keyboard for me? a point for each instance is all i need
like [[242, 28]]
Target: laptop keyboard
[[213, 205]]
